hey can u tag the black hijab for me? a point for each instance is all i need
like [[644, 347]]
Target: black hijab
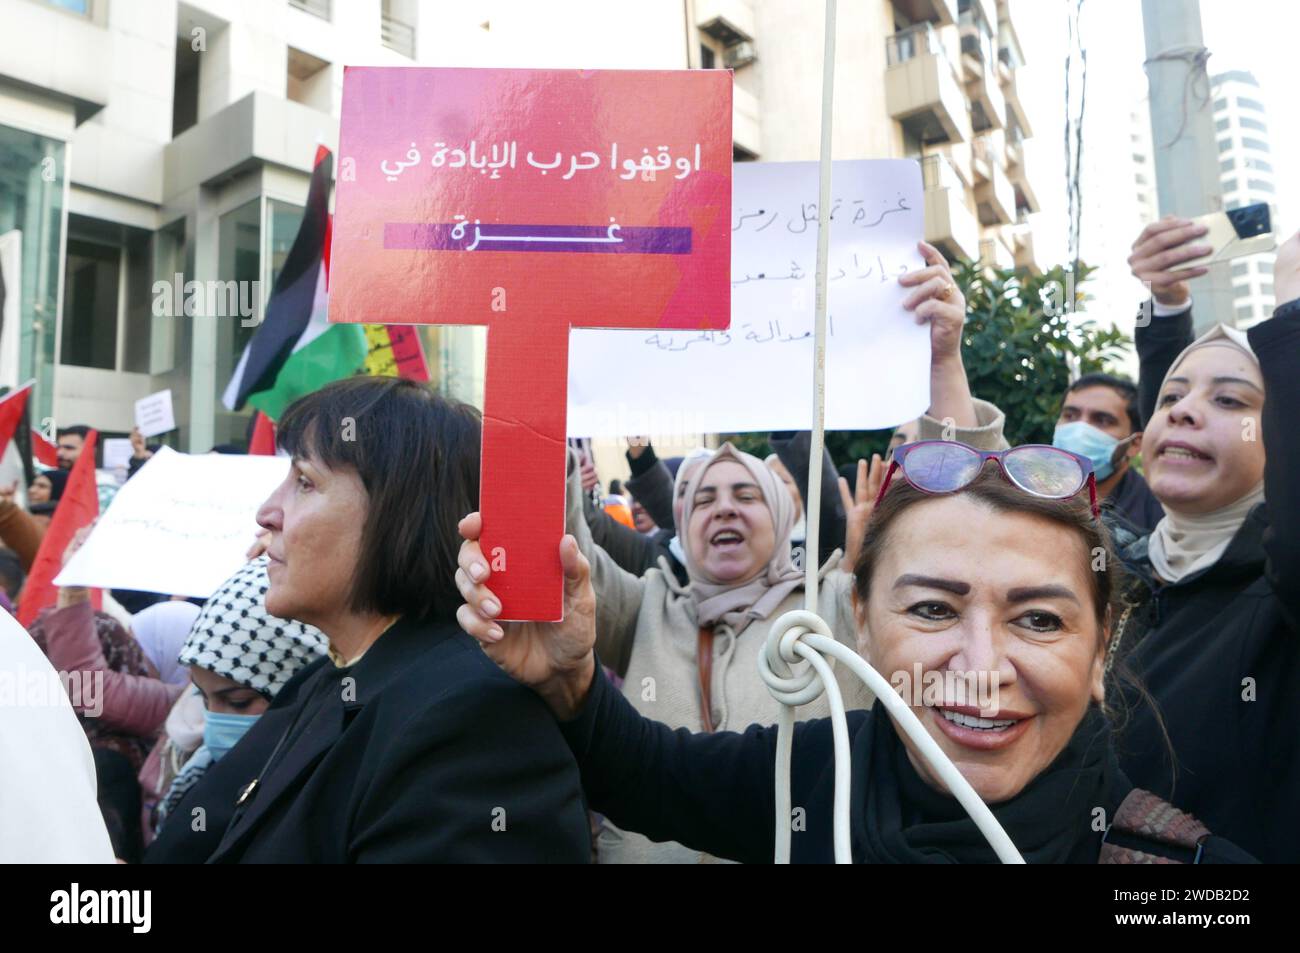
[[900, 819], [58, 480]]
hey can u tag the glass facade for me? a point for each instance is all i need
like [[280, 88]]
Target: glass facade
[[32, 172], [239, 258]]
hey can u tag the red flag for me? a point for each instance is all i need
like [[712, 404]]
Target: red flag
[[11, 413], [263, 441], [44, 451], [78, 507]]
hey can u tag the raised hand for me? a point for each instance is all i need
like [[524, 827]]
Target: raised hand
[[858, 507], [1158, 252], [555, 659]]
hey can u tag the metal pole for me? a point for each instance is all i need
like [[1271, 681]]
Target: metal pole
[[1183, 135]]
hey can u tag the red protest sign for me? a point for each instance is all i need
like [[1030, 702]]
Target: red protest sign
[[532, 202]]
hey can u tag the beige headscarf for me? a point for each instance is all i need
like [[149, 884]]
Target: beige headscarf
[[738, 604], [1182, 544]]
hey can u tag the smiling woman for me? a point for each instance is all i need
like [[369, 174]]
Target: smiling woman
[[407, 743], [984, 578]]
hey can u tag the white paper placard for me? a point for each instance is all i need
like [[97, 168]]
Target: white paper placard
[[758, 375], [154, 414], [180, 526], [117, 453]]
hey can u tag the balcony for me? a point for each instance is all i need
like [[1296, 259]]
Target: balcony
[[396, 35], [987, 150], [938, 12], [949, 224], [746, 130], [51, 55], [727, 21], [994, 254], [1015, 110], [996, 197], [921, 87], [1022, 242], [260, 129]]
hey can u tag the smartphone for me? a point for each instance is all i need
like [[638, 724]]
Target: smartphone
[[1242, 231]]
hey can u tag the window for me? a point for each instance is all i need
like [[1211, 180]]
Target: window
[[185, 87], [1230, 185], [1259, 185], [1220, 104], [1240, 269], [239, 246], [1225, 145], [1266, 288], [285, 220], [320, 8], [90, 289], [308, 81], [1259, 144], [1141, 179], [1260, 164], [1245, 312], [1221, 125], [397, 26], [72, 6], [1245, 103], [1247, 123], [1227, 165], [708, 59]]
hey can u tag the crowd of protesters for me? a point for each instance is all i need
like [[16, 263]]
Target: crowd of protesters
[[349, 695]]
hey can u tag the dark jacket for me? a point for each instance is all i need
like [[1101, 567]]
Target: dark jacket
[[794, 449], [652, 486], [715, 792], [1219, 652], [422, 751], [1133, 500]]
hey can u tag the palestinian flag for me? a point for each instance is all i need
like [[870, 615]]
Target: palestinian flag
[[77, 507], [44, 451], [295, 350], [13, 407]]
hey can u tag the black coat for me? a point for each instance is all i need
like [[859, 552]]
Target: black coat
[[715, 792], [422, 751], [1219, 652]]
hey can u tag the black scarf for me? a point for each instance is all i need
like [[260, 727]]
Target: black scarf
[[899, 818]]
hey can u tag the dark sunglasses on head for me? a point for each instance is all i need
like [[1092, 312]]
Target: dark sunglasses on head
[[945, 466]]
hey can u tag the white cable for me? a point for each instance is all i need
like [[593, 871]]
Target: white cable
[[802, 634]]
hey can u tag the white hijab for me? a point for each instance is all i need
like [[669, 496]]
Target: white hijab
[[1181, 544], [734, 604]]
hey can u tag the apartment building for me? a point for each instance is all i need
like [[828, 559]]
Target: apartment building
[[142, 139], [1246, 174]]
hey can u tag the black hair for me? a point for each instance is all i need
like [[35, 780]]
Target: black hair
[[77, 430], [1125, 388], [417, 455]]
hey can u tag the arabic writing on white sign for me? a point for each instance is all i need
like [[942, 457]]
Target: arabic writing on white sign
[[757, 375]]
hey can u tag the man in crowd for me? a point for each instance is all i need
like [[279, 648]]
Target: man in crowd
[[70, 441], [1100, 420]]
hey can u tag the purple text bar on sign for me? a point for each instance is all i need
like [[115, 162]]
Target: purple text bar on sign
[[611, 239]]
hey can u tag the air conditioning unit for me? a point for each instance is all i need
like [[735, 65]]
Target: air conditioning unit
[[742, 54]]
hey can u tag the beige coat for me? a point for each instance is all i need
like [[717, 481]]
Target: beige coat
[[646, 631]]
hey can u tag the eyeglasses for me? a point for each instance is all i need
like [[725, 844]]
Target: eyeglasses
[[945, 466]]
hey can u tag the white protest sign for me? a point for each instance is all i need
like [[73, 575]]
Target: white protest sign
[[180, 526], [758, 374], [154, 414], [117, 453]]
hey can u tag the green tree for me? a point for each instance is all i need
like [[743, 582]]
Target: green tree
[[1024, 342]]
